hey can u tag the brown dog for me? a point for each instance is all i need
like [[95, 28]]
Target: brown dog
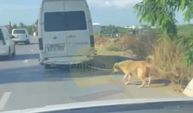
[[139, 68]]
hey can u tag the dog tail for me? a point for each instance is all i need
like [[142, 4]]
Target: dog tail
[[149, 59]]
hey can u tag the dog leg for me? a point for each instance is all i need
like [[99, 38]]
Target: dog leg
[[143, 84], [128, 79], [125, 77], [149, 81]]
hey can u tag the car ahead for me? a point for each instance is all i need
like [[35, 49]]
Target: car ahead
[[65, 32], [20, 36], [7, 46]]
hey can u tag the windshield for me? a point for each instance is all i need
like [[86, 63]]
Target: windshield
[[19, 32], [94, 50], [64, 21]]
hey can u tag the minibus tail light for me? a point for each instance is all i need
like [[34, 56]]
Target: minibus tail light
[[92, 42], [40, 43]]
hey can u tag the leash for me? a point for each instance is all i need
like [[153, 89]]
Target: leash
[[99, 68]]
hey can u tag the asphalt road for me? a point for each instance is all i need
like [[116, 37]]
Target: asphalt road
[[25, 84]]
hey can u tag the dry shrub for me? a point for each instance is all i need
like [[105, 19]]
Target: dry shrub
[[126, 43], [123, 44], [168, 62], [100, 40], [148, 39], [140, 45]]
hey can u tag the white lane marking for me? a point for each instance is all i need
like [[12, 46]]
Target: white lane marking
[[26, 61], [4, 100], [32, 50]]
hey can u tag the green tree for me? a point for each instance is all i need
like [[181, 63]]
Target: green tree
[[113, 30], [22, 25], [30, 29], [15, 26], [10, 27], [36, 22], [162, 13]]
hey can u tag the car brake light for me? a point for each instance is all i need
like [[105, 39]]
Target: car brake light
[[92, 42], [40, 43]]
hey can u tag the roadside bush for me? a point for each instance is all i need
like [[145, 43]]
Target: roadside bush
[[113, 47], [127, 43], [100, 40], [168, 62], [140, 45], [185, 43]]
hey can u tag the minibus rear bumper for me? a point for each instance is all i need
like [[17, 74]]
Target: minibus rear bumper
[[70, 60]]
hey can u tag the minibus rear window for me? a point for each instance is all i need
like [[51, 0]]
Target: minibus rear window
[[64, 21], [19, 32]]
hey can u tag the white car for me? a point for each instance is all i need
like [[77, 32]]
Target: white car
[[7, 46], [20, 35], [65, 32]]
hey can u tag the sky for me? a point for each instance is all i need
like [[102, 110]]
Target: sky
[[105, 12]]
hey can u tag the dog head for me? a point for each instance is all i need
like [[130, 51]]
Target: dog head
[[115, 68], [149, 59]]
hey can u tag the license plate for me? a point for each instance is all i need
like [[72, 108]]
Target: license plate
[[55, 47]]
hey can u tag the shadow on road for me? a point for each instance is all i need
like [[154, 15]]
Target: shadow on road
[[38, 73], [160, 82], [19, 57], [156, 83]]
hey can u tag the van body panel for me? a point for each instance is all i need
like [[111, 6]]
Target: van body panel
[[7, 46], [65, 28], [4, 48], [67, 60]]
